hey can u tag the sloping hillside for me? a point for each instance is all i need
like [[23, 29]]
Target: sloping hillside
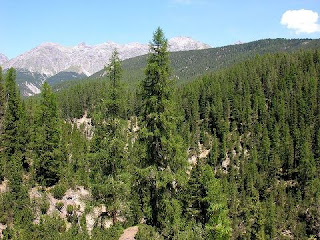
[[187, 65]]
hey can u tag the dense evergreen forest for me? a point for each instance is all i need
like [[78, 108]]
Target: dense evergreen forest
[[234, 154]]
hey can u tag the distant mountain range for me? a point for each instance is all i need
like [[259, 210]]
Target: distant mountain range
[[57, 64], [50, 59]]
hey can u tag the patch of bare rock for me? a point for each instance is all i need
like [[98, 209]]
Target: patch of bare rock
[[129, 233], [77, 198]]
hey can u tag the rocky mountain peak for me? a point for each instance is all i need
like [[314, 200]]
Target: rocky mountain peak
[[3, 58], [82, 44], [51, 58], [182, 43], [48, 60]]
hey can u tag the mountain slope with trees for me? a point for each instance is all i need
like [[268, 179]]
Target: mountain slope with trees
[[234, 154], [187, 65]]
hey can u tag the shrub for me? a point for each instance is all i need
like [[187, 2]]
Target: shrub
[[50, 227], [44, 206], [112, 233], [59, 205], [147, 232], [58, 191], [69, 209], [71, 216]]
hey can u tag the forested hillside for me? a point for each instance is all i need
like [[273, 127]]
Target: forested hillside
[[234, 154], [187, 65]]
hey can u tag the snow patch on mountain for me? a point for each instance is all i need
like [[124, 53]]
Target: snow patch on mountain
[[52, 58], [32, 88]]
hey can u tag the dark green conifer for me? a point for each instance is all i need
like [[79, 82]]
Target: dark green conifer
[[13, 141], [49, 157], [164, 145], [2, 101], [12, 138], [165, 150], [2, 107], [109, 150]]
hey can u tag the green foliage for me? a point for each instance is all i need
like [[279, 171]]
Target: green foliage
[[114, 194], [112, 233], [147, 232], [72, 216], [12, 139], [77, 147], [2, 108], [114, 103], [76, 95], [49, 156], [251, 131], [59, 206], [108, 155], [44, 205], [4, 206], [59, 190], [264, 137], [70, 209], [50, 227], [193, 231], [2, 101], [218, 225], [13, 155], [163, 148], [164, 145]]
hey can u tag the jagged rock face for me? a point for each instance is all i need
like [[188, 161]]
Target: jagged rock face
[[185, 44], [52, 58], [3, 59], [29, 82]]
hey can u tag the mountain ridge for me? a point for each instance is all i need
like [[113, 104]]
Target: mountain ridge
[[51, 58], [3, 58], [187, 65]]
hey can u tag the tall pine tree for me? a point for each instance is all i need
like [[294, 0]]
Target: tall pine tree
[[49, 156], [12, 137], [165, 153], [109, 153], [1, 121], [164, 145], [115, 100], [1, 101], [13, 142]]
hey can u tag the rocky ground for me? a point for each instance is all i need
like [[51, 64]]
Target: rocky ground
[[129, 233]]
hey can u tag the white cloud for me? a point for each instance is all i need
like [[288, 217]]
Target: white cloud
[[302, 21]]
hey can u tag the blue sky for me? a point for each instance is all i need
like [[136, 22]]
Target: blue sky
[[25, 24]]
